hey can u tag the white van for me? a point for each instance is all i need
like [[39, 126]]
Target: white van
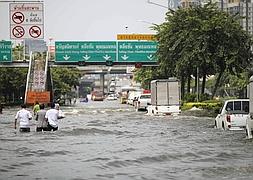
[[233, 115]]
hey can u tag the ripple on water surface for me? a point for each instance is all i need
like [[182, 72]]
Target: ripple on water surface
[[106, 140]]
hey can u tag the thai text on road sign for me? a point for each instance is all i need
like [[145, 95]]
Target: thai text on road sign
[[88, 51], [150, 37], [5, 51], [137, 51], [42, 97], [102, 51]]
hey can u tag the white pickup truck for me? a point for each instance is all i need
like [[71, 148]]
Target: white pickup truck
[[233, 115], [142, 101]]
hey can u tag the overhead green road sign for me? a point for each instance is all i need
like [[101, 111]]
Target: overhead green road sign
[[87, 51], [5, 51], [137, 51]]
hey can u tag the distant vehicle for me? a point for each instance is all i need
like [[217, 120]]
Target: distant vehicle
[[113, 83], [142, 102], [97, 96], [124, 93], [84, 99], [165, 97], [112, 97], [233, 115], [132, 97]]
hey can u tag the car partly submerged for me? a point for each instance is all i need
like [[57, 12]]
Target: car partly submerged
[[233, 115], [142, 101]]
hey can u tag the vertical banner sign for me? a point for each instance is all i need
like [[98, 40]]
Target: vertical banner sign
[[5, 51], [26, 20]]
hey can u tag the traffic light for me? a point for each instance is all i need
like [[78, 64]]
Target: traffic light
[[138, 65], [81, 63], [108, 63]]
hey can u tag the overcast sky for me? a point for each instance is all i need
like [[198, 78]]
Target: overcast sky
[[92, 19]]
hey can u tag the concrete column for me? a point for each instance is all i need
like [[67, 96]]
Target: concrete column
[[102, 82]]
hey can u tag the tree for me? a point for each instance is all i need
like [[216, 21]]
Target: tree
[[204, 38], [13, 82], [18, 52], [64, 79], [145, 75]]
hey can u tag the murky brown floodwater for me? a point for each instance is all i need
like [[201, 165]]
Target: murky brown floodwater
[[106, 140]]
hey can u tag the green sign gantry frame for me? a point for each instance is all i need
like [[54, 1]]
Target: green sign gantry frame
[[104, 51]]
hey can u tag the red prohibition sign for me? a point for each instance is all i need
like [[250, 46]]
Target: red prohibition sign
[[35, 31], [18, 31], [18, 17]]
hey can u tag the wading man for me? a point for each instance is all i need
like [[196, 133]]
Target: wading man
[[52, 116], [24, 117]]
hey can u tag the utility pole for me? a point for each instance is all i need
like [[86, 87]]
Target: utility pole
[[247, 16]]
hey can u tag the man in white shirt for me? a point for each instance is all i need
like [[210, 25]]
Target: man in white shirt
[[61, 114], [52, 116], [24, 116]]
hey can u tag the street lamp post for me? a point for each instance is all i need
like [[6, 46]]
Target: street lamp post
[[167, 7], [147, 22], [49, 49]]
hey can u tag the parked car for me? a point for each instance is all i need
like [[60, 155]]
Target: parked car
[[111, 97], [97, 96], [233, 115], [142, 101]]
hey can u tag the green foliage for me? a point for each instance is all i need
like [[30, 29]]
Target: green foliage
[[190, 97], [13, 82], [204, 38], [202, 105], [18, 52], [145, 75], [64, 79]]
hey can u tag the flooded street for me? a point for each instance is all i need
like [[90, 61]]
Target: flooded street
[[107, 140]]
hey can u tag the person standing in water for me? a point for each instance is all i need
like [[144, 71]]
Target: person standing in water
[[52, 116], [36, 108], [1, 109], [61, 114], [24, 117], [40, 117]]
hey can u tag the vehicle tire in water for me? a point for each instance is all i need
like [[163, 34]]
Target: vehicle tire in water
[[223, 126]]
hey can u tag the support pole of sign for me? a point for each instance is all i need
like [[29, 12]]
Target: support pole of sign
[[28, 77], [197, 84], [24, 50], [102, 83]]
